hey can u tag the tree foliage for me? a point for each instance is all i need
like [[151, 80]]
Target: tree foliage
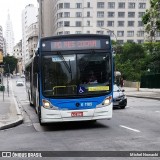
[[151, 19], [10, 64], [132, 61]]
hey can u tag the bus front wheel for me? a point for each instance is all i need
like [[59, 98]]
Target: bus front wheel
[[39, 117]]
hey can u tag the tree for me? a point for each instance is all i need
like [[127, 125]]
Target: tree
[[10, 64], [153, 57], [132, 62], [151, 19]]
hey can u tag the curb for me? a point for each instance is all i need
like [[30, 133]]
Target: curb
[[12, 124], [155, 98]]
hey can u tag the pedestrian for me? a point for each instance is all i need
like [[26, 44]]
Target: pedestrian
[[121, 82]]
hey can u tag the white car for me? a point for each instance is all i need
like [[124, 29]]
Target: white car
[[19, 83], [119, 98], [22, 76]]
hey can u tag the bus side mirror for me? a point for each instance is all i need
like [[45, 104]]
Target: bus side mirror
[[35, 64]]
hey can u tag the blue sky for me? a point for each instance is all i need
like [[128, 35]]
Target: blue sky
[[15, 8]]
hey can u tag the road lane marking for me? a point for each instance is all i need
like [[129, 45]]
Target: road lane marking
[[157, 111], [135, 130]]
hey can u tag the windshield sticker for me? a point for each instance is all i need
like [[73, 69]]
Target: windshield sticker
[[56, 59], [81, 89], [66, 58], [98, 88]]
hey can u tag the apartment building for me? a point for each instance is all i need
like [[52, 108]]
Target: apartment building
[[29, 16], [121, 19]]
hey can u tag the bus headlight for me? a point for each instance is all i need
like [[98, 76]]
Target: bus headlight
[[48, 105], [107, 101]]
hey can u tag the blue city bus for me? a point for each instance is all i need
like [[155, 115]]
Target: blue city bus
[[70, 78]]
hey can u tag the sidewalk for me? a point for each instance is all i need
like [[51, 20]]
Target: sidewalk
[[142, 93], [10, 114]]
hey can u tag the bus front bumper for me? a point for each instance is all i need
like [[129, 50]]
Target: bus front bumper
[[50, 116]]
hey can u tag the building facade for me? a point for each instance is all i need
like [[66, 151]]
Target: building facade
[[29, 16], [17, 53], [32, 38], [9, 37], [1, 38], [121, 19]]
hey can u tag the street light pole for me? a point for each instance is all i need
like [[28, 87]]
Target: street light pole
[[110, 31]]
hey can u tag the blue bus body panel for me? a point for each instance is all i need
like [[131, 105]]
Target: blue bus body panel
[[75, 104]]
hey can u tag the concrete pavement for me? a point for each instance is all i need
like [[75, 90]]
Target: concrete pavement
[[11, 115], [142, 93]]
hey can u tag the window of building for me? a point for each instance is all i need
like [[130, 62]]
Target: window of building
[[131, 5], [60, 5], [66, 32], [78, 32], [120, 23], [120, 33], [78, 14], [100, 23], [130, 23], [60, 15], [130, 33], [100, 4], [66, 14], [130, 41], [78, 23], [99, 32], [141, 14], [111, 14], [131, 14], [121, 14], [88, 14], [66, 23], [120, 41], [142, 5], [66, 5], [121, 5], [111, 4], [140, 24], [100, 14], [140, 41], [110, 23], [110, 33], [88, 32], [60, 24], [88, 23], [59, 33], [88, 4], [140, 33], [157, 34], [78, 5]]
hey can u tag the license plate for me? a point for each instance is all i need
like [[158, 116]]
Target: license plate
[[76, 114]]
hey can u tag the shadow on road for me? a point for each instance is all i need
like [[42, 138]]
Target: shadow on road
[[68, 126]]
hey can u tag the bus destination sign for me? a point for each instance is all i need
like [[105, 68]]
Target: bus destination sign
[[71, 45]]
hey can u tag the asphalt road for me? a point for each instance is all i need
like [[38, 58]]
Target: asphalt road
[[135, 128]]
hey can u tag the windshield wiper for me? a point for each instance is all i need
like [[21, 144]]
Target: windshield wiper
[[65, 63]]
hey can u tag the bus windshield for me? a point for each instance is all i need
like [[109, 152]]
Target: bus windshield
[[76, 73]]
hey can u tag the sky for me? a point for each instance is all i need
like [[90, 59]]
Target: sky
[[15, 8]]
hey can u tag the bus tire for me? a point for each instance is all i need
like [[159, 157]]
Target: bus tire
[[39, 117]]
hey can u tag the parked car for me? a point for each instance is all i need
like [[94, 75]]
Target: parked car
[[22, 76], [19, 83], [119, 98]]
